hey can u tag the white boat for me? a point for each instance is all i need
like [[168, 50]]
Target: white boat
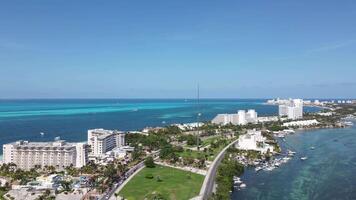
[[236, 178], [290, 131], [348, 123], [280, 136], [304, 158], [270, 168], [237, 182], [243, 185], [312, 148], [42, 133], [258, 169]]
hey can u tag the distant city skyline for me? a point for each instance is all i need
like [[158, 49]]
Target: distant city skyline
[[163, 49]]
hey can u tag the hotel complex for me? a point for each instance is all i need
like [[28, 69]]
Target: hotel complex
[[60, 154], [240, 118], [292, 108], [102, 141], [253, 140]]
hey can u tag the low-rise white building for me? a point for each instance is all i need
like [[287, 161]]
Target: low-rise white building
[[253, 140], [301, 123], [268, 119], [189, 126], [325, 113], [240, 118]]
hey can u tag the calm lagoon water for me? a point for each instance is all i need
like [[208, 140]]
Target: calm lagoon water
[[329, 172]]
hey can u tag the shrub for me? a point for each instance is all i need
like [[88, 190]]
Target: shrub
[[149, 176], [149, 162]]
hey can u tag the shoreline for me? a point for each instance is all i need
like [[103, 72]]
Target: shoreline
[[327, 136], [301, 131]]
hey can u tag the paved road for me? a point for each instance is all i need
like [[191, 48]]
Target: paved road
[[208, 184], [131, 171], [110, 193]]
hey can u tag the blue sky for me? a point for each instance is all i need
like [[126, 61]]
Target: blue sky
[[147, 49]]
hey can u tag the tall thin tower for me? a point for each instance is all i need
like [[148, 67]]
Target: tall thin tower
[[198, 116]]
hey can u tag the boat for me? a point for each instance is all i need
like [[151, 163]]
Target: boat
[[291, 153], [280, 136], [348, 123], [257, 169], [42, 133], [312, 148], [290, 131], [304, 158], [269, 168], [285, 159], [243, 185]]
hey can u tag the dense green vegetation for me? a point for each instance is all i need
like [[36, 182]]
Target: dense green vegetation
[[228, 168], [11, 171], [163, 183]]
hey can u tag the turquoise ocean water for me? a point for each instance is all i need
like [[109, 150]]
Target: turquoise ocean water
[[71, 118]]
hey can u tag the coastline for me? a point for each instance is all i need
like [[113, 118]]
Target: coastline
[[250, 176]]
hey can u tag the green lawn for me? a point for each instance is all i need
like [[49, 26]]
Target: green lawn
[[175, 184], [209, 140], [198, 154]]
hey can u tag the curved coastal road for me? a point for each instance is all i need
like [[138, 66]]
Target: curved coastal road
[[209, 180]]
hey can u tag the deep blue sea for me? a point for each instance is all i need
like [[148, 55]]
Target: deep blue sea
[[71, 118]]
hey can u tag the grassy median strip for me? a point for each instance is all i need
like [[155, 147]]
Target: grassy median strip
[[163, 182]]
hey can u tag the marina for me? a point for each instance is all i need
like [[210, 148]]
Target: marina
[[313, 176]]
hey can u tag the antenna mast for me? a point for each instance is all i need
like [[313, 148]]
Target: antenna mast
[[198, 117]]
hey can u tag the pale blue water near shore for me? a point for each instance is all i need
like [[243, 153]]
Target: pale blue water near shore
[[329, 172], [71, 118]]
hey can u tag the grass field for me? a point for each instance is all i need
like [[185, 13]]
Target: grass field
[[175, 184]]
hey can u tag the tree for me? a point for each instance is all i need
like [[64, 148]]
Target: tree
[[149, 162], [166, 152], [192, 140], [136, 154]]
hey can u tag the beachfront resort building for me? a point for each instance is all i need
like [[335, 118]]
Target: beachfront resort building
[[253, 140], [240, 118], [59, 154], [292, 108], [302, 123], [102, 141]]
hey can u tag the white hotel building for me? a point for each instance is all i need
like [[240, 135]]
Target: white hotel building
[[102, 141], [292, 108], [240, 118], [253, 140], [59, 154]]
